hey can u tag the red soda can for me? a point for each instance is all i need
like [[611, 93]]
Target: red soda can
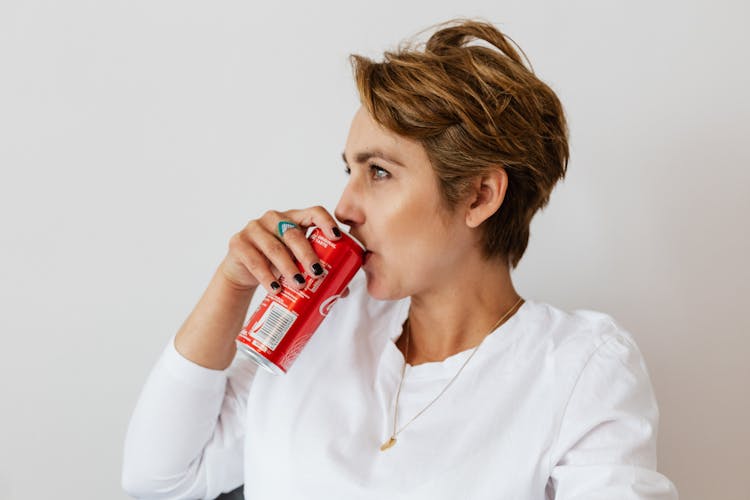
[[284, 322]]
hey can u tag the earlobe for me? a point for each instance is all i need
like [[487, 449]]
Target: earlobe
[[489, 193]]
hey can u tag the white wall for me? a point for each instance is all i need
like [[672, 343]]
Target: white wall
[[136, 137]]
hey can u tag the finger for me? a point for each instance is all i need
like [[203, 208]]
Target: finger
[[295, 239], [300, 246], [345, 293], [316, 216], [303, 252], [255, 263], [281, 257]]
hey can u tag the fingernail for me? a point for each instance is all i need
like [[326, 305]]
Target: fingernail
[[275, 285], [336, 232], [299, 279], [317, 269]]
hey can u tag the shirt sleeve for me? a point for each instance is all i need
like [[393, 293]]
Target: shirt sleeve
[[185, 437], [606, 446]]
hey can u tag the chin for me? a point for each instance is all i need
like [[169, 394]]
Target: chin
[[379, 290]]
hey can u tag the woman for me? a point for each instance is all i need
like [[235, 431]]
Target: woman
[[434, 378]]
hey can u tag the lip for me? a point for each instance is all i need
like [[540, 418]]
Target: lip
[[366, 257]]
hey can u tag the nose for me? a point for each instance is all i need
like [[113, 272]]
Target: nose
[[349, 208]]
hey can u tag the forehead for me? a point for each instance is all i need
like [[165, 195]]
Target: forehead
[[365, 134]]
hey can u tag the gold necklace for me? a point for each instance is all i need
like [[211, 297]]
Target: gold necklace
[[392, 440]]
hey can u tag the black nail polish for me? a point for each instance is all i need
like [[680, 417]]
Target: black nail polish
[[336, 232], [317, 269], [299, 278], [275, 285]]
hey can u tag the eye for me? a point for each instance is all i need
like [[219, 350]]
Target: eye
[[377, 170]]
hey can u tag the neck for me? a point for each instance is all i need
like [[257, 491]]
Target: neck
[[458, 314]]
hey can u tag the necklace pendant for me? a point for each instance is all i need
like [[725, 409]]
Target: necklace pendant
[[388, 444]]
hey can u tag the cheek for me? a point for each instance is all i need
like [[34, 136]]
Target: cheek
[[411, 240], [417, 248], [407, 218]]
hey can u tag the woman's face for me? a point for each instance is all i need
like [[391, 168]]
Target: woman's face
[[392, 204]]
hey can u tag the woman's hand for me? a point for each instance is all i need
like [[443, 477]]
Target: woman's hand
[[258, 255]]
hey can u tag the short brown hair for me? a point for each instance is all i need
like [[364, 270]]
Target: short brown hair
[[473, 109]]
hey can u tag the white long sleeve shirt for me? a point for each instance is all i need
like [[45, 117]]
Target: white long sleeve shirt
[[553, 405]]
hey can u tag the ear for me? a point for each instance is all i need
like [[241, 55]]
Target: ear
[[487, 196]]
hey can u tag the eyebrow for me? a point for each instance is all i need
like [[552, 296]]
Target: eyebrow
[[366, 155]]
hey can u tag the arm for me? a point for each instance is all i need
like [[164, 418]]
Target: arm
[[606, 445], [185, 437]]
